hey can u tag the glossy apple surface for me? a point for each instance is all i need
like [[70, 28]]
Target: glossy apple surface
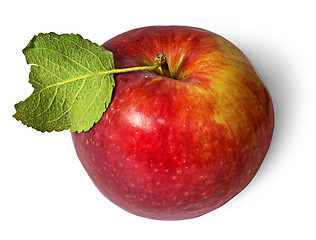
[[177, 148]]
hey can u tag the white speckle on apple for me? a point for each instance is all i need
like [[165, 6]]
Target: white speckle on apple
[[161, 120]]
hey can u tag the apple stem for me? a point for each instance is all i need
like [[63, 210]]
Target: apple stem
[[161, 59]]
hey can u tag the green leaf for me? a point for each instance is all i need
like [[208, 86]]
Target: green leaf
[[71, 86]]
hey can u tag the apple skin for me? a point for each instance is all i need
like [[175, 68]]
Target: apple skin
[[177, 148]]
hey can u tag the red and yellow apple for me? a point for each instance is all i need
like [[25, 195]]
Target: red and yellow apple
[[181, 146]]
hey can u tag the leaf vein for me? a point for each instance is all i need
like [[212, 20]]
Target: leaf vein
[[51, 50], [71, 106], [88, 51], [48, 107], [92, 102]]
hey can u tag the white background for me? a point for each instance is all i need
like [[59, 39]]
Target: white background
[[45, 192]]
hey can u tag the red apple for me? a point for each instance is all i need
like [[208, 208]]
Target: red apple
[[181, 146]]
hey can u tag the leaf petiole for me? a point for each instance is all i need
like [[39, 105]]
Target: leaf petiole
[[160, 59], [159, 63], [131, 69]]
